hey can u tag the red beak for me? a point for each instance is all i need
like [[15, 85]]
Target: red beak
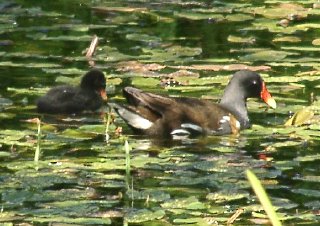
[[266, 96], [103, 94]]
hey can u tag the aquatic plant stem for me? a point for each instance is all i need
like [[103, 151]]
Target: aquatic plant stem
[[263, 198], [107, 123], [91, 50], [38, 147], [127, 149]]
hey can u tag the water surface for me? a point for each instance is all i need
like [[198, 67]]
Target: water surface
[[82, 179]]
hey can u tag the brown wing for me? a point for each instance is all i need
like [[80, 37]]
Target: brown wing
[[202, 113], [177, 114], [148, 105]]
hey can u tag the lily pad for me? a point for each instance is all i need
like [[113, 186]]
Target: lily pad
[[226, 196], [143, 215], [68, 80], [4, 154], [307, 192], [172, 53], [309, 178], [150, 195], [149, 82], [272, 26], [291, 39], [239, 17], [30, 65], [143, 38], [308, 158], [191, 203], [119, 9], [301, 117], [41, 36], [236, 39], [267, 55], [282, 11], [301, 48], [77, 134], [227, 67], [308, 25], [136, 66], [4, 102], [199, 16], [71, 220]]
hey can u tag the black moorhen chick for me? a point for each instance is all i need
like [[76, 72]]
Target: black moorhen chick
[[67, 99], [157, 115]]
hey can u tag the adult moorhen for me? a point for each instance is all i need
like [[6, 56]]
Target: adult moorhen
[[157, 115], [68, 99]]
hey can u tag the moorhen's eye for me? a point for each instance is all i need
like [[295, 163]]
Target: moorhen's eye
[[253, 88], [256, 83]]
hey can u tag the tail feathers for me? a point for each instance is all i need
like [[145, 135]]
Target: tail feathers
[[156, 103], [132, 118]]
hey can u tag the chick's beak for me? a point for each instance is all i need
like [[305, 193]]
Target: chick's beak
[[103, 94], [266, 97]]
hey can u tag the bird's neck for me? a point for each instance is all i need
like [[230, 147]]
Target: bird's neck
[[235, 101]]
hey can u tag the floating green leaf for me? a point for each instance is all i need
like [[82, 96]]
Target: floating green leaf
[[282, 11], [235, 39], [41, 36], [199, 16], [143, 38], [267, 55], [227, 195], [70, 220], [30, 65], [76, 134], [68, 80], [301, 117], [292, 39], [143, 215], [239, 17], [7, 115], [149, 195], [307, 192], [307, 158], [272, 26], [191, 203], [142, 82]]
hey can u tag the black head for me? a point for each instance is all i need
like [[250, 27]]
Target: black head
[[94, 80], [249, 82]]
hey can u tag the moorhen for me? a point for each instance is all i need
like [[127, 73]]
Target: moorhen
[[157, 115], [67, 99]]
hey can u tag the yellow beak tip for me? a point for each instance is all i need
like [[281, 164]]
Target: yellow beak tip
[[272, 103]]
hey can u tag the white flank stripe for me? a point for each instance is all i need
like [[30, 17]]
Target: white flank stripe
[[238, 124], [180, 132], [134, 120]]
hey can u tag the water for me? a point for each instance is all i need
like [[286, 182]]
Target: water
[[82, 179]]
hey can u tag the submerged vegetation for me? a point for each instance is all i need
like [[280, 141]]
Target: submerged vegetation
[[92, 170]]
